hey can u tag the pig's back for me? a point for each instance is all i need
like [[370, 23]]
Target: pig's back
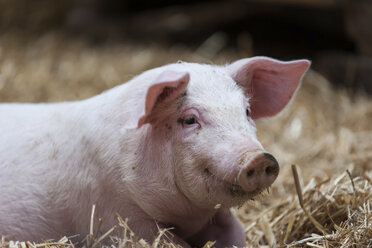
[[20, 124], [29, 131], [22, 128], [17, 115]]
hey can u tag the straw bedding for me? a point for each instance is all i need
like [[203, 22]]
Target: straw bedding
[[325, 133]]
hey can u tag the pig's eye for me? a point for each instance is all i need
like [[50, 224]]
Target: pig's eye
[[189, 120], [247, 112]]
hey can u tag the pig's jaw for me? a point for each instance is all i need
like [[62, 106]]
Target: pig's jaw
[[233, 193], [210, 180], [208, 190], [233, 189]]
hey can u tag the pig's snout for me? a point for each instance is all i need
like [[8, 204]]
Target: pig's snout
[[259, 173]]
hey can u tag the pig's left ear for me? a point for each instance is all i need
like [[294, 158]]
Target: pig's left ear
[[165, 88], [270, 83]]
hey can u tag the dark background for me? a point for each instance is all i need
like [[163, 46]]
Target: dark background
[[335, 34]]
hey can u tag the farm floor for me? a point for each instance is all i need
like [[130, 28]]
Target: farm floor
[[326, 133]]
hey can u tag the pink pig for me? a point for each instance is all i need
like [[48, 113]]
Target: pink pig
[[166, 148]]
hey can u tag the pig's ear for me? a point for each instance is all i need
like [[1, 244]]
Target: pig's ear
[[270, 83], [165, 88]]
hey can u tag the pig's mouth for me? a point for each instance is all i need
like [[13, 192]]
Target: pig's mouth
[[234, 189]]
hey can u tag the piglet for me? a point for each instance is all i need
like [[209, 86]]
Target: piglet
[[163, 149]]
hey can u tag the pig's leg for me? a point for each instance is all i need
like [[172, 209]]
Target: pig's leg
[[225, 229]]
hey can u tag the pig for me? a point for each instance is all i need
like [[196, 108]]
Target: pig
[[175, 147]]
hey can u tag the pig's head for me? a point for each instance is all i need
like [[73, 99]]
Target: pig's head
[[202, 120]]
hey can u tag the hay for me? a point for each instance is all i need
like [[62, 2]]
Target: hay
[[325, 132]]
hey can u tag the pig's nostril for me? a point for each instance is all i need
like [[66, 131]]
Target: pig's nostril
[[250, 172], [270, 170], [273, 167], [259, 173]]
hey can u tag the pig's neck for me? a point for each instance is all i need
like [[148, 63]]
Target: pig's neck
[[154, 188], [85, 171], [139, 168]]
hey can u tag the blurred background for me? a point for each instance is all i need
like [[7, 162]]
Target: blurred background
[[335, 34], [69, 50]]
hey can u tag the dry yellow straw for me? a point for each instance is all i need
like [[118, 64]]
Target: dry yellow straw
[[300, 199]]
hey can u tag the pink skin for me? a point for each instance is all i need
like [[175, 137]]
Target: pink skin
[[168, 146], [224, 227]]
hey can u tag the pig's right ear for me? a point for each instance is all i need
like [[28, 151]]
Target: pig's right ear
[[165, 88]]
